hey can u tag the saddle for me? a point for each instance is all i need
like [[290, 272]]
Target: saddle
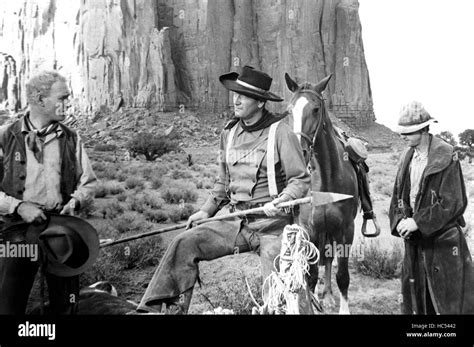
[[357, 153]]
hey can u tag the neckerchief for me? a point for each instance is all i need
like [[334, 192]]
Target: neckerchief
[[265, 121], [35, 139]]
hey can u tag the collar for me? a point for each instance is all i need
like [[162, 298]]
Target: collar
[[25, 125], [440, 155]]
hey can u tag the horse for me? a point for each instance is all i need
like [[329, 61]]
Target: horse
[[331, 227]]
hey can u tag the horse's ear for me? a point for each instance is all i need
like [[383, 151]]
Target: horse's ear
[[292, 85], [322, 84]]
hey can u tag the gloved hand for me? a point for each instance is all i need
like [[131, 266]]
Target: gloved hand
[[406, 227]]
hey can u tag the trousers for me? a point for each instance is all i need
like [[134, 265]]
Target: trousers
[[17, 276], [178, 270]]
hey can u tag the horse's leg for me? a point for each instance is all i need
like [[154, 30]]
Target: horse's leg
[[342, 279], [327, 296]]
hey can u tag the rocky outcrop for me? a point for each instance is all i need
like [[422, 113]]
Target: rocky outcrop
[[169, 53]]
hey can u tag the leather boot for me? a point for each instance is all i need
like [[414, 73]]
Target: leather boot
[[178, 305]]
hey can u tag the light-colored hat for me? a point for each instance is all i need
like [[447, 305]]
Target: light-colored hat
[[413, 117]]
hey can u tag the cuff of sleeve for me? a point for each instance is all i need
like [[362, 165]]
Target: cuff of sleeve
[[210, 207], [14, 205]]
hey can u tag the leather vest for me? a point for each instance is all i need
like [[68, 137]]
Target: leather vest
[[12, 142]]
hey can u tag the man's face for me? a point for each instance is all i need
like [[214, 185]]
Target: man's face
[[56, 103], [245, 107], [413, 139]]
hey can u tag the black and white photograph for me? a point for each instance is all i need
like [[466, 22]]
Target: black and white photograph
[[305, 165]]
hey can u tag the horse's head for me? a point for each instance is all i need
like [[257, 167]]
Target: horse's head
[[307, 111]]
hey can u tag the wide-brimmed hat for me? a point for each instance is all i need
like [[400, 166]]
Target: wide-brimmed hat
[[70, 244], [250, 82], [413, 117]]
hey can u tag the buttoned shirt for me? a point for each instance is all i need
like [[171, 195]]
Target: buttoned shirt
[[42, 181]]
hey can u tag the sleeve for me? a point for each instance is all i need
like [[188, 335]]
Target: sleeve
[[8, 204], [218, 196], [448, 202], [293, 165], [87, 181]]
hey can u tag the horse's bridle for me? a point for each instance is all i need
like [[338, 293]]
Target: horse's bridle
[[312, 141]]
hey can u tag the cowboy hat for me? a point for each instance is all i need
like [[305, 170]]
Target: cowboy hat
[[70, 244], [251, 82], [413, 117]]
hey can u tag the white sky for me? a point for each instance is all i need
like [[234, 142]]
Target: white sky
[[421, 50]]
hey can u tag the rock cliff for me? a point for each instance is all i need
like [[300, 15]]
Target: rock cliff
[[169, 53]]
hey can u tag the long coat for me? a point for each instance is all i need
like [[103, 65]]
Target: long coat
[[436, 256]]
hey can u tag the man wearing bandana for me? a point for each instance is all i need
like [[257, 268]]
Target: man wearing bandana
[[45, 169], [247, 179]]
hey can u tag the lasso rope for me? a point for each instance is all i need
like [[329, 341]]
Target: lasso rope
[[296, 255]]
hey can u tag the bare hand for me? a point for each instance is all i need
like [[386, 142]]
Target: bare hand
[[199, 215], [30, 212], [70, 207], [270, 209], [406, 227]]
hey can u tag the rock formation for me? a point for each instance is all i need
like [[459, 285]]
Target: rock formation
[[167, 53]]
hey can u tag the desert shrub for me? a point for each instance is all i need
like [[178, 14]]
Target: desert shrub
[[128, 222], [174, 214], [156, 183], [98, 166], [121, 197], [134, 183], [235, 295], [380, 262], [136, 203], [102, 147], [150, 145], [139, 253], [153, 200], [180, 174], [111, 209], [147, 172], [87, 208], [199, 183], [115, 188], [156, 216], [121, 176], [180, 193], [187, 211], [101, 190]]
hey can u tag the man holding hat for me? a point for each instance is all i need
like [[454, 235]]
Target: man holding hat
[[261, 164], [46, 177], [426, 210]]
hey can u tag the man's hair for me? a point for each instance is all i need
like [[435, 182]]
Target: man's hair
[[40, 85]]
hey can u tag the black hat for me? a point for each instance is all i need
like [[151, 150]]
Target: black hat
[[251, 82], [71, 244]]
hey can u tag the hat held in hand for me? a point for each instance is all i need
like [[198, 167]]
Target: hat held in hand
[[71, 245], [413, 117]]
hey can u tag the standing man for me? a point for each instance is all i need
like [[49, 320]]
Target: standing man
[[428, 202], [45, 169], [252, 174]]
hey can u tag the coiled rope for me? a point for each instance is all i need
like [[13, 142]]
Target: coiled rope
[[297, 253]]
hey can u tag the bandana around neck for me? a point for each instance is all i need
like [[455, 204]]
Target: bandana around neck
[[35, 139], [265, 121]]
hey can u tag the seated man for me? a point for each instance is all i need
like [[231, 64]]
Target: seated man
[[261, 165]]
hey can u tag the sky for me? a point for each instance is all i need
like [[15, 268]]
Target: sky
[[421, 50]]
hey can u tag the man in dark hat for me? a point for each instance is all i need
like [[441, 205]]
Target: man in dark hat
[[45, 170], [426, 210], [261, 164]]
